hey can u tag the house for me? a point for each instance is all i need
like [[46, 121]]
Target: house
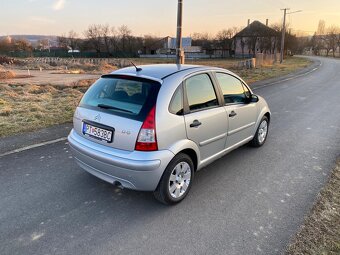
[[256, 38], [163, 47]]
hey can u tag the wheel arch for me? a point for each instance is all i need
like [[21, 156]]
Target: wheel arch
[[188, 147], [192, 154]]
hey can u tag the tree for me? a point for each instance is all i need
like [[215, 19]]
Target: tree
[[72, 40], [331, 39], [319, 39], [106, 33], [94, 35], [22, 45], [125, 37], [62, 41], [202, 39]]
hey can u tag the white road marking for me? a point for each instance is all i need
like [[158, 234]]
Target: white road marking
[[33, 146]]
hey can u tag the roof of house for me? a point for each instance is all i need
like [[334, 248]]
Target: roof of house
[[256, 28]]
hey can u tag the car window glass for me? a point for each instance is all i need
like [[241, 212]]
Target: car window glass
[[200, 92], [232, 88], [176, 105], [120, 96]]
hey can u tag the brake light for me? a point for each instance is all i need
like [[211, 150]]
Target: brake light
[[147, 140]]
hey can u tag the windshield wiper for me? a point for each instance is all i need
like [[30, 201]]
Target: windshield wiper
[[105, 106]]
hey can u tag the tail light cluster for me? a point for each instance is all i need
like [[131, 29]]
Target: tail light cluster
[[147, 140]]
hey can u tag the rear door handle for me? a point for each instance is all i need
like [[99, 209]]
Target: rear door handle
[[195, 123], [232, 114]]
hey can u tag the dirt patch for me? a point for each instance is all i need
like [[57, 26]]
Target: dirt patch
[[320, 233]]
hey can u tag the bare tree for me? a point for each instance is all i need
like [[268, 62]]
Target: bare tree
[[62, 41], [319, 39], [332, 39], [73, 40], [43, 44], [124, 36], [94, 35], [106, 33], [23, 45], [224, 38]]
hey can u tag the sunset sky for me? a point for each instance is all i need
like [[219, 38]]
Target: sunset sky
[[158, 17]]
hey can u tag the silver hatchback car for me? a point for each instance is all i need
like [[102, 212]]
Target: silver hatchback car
[[151, 128]]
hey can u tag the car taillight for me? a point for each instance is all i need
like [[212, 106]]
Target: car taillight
[[147, 140]]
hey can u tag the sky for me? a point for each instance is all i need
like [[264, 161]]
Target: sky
[[158, 17]]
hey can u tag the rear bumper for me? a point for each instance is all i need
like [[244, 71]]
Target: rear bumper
[[133, 169]]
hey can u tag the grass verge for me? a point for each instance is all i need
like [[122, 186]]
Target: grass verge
[[320, 233], [30, 107]]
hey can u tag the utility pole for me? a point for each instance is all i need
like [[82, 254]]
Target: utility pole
[[179, 50], [283, 34], [284, 30]]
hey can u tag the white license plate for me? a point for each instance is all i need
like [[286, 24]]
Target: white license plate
[[97, 132]]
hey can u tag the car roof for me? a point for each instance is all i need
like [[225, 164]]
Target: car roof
[[156, 71], [159, 72]]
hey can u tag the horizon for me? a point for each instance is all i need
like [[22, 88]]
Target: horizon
[[61, 16]]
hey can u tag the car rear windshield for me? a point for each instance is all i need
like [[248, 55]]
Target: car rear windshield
[[125, 96]]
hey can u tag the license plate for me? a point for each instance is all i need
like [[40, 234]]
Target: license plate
[[96, 132]]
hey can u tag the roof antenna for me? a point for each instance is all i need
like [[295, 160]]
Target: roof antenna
[[138, 69]]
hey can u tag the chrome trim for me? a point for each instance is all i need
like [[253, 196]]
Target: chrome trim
[[240, 128], [214, 139]]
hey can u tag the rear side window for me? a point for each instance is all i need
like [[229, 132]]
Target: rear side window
[[176, 104], [128, 97], [200, 92], [232, 88]]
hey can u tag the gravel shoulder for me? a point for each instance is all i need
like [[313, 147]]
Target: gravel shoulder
[[320, 232]]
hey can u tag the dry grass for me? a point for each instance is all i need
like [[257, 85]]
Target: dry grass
[[271, 71], [30, 107], [6, 75], [320, 233]]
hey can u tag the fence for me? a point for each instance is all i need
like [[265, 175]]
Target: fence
[[73, 61], [261, 59]]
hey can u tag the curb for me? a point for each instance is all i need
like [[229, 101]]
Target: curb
[[20, 141]]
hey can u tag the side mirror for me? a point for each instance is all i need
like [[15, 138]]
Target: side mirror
[[254, 98]]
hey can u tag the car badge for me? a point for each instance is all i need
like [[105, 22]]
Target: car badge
[[97, 118]]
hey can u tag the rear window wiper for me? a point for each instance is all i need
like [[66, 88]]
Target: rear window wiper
[[105, 106]]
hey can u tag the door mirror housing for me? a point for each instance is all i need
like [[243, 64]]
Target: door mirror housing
[[253, 98]]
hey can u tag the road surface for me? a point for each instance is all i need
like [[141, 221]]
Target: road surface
[[251, 201]]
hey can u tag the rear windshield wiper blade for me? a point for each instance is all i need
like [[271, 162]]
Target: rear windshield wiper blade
[[105, 106]]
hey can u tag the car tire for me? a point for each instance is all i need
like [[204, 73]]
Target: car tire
[[261, 133], [176, 180]]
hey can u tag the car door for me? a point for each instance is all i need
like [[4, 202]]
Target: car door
[[241, 113], [205, 118]]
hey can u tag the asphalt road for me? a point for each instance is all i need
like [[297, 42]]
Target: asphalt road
[[251, 201]]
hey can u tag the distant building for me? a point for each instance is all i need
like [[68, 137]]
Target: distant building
[[167, 46], [255, 38], [170, 42]]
